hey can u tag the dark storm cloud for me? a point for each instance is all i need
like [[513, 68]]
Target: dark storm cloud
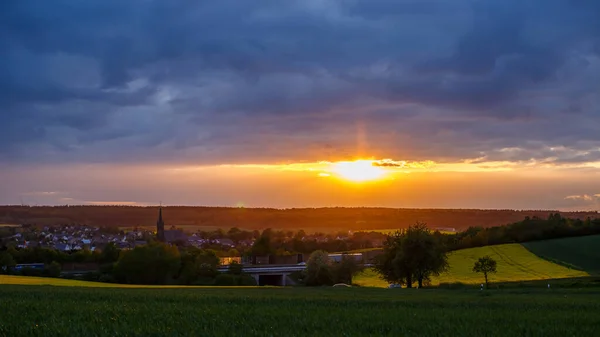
[[232, 81]]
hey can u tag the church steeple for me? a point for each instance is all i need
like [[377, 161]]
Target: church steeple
[[160, 227]]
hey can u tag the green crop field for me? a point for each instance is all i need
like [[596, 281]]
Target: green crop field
[[84, 311], [581, 252], [515, 263]]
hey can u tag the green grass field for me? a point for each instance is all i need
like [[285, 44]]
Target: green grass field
[[515, 263], [369, 278], [84, 311], [582, 253]]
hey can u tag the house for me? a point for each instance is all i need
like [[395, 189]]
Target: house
[[226, 242], [62, 247], [175, 235], [225, 261]]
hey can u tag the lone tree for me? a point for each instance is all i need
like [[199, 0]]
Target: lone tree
[[485, 265], [412, 255]]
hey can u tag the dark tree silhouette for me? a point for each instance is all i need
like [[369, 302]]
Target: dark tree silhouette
[[415, 254], [485, 265]]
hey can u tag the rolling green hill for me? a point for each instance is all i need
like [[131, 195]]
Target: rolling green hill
[[515, 263], [580, 253]]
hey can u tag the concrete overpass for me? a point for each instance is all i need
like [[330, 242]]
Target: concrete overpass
[[275, 275]]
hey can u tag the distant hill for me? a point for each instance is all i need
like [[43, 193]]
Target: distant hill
[[313, 219], [581, 252]]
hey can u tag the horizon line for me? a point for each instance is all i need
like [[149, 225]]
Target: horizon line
[[306, 208]]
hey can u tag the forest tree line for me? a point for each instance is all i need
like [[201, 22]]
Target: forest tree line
[[530, 229], [337, 218]]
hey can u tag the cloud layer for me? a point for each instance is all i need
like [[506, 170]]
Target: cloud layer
[[270, 81]]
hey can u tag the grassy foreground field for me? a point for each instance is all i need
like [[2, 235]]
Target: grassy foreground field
[[515, 263], [581, 252], [83, 311]]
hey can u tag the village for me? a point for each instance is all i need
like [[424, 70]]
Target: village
[[72, 238]]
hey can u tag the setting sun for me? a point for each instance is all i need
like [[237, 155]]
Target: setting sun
[[358, 171]]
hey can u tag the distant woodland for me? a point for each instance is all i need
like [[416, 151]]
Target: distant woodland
[[309, 219]]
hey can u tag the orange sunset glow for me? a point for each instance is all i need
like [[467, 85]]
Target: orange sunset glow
[[350, 105], [358, 171]]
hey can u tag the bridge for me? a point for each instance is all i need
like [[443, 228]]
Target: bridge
[[275, 275]]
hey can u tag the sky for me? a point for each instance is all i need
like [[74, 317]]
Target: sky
[[454, 103]]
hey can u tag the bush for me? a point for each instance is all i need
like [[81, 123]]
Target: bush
[[6, 262], [32, 272], [107, 268], [235, 268], [107, 278], [246, 280], [148, 264], [319, 270], [52, 270], [453, 285], [68, 276], [344, 271], [204, 281], [226, 280], [93, 276]]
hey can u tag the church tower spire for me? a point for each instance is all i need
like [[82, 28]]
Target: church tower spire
[[160, 226]]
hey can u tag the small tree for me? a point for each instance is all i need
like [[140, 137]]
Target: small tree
[[235, 268], [6, 262], [156, 263], [485, 265], [319, 269], [109, 254], [346, 269], [53, 269]]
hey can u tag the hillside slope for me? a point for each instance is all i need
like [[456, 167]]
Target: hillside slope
[[515, 263], [581, 252]]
